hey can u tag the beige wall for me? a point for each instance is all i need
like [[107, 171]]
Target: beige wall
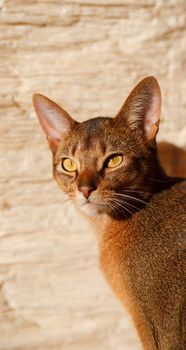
[[86, 55]]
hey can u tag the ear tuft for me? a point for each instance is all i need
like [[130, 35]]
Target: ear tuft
[[142, 108], [54, 120]]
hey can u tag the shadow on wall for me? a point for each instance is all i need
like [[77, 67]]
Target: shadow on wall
[[173, 159]]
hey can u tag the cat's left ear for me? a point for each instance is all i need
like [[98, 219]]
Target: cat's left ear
[[54, 120], [142, 108]]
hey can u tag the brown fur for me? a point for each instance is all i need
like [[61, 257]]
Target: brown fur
[[144, 261], [139, 212]]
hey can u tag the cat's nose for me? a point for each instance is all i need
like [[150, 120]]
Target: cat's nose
[[86, 190]]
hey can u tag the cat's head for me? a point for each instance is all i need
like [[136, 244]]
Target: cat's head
[[103, 164]]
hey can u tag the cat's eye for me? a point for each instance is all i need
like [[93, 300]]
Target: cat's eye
[[69, 165], [114, 161]]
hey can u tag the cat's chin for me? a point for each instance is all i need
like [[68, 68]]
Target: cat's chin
[[89, 209]]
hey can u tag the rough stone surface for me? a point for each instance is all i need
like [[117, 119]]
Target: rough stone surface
[[87, 55]]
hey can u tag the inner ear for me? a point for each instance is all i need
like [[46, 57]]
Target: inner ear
[[54, 120], [142, 108]]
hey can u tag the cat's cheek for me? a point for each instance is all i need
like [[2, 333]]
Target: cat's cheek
[[65, 182]]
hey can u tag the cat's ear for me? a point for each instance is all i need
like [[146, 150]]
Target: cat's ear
[[54, 120], [142, 108]]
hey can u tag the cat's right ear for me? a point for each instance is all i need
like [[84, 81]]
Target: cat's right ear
[[54, 120]]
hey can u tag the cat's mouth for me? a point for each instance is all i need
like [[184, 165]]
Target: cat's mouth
[[90, 207], [116, 205]]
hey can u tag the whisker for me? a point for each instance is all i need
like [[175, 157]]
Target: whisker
[[111, 207], [118, 202], [130, 197], [122, 206], [129, 204], [156, 180], [62, 200], [118, 209], [136, 191], [139, 220]]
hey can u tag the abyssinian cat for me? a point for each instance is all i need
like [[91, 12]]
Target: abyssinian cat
[[110, 170]]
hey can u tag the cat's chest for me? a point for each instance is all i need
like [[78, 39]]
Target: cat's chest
[[115, 263], [127, 260]]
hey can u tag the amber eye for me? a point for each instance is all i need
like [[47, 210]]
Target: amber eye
[[69, 165], [114, 161]]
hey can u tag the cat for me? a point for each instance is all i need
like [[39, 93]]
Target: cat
[[110, 170]]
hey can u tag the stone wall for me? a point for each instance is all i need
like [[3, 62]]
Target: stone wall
[[86, 55]]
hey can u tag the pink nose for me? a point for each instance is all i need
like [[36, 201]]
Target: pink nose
[[86, 190]]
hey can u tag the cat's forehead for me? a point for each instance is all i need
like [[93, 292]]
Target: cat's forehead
[[92, 134], [94, 138]]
